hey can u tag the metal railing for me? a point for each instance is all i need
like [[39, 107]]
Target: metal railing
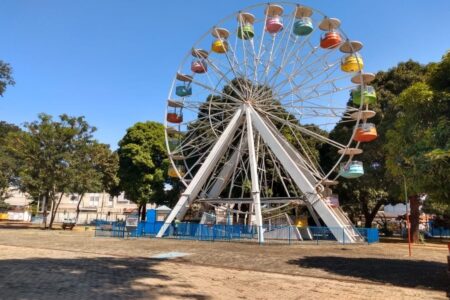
[[286, 234]]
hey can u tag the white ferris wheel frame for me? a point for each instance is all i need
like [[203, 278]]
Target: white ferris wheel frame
[[294, 163]]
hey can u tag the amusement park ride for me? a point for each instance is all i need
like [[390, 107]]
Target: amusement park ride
[[243, 126]]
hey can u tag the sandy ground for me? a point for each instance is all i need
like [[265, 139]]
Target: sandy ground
[[36, 264]]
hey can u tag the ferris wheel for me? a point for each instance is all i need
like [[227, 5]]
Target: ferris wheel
[[251, 103]]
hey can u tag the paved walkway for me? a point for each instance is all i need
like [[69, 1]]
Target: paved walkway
[[38, 264]]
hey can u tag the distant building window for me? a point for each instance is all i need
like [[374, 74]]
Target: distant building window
[[73, 198], [111, 200], [93, 201]]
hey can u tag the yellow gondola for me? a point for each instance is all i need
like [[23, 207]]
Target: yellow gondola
[[352, 63]]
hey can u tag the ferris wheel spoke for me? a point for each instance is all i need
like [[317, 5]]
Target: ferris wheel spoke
[[269, 60], [281, 68], [196, 107], [244, 59], [307, 132], [213, 90], [328, 71], [234, 66], [189, 170], [277, 169], [223, 76], [305, 68], [318, 95], [258, 56], [298, 50], [288, 38], [255, 64], [311, 158], [241, 74], [301, 159], [285, 47], [312, 113], [236, 166], [193, 137], [313, 88]]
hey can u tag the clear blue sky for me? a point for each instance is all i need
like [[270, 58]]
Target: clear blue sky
[[113, 61]]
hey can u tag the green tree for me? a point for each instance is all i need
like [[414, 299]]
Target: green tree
[[418, 144], [8, 164], [5, 77], [47, 152], [367, 194], [94, 169], [143, 164]]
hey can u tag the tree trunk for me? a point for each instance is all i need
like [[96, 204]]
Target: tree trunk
[[78, 207], [370, 215], [414, 218], [54, 210], [139, 210], [143, 212], [44, 209]]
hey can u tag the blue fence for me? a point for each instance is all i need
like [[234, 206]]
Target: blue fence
[[204, 232], [109, 229], [439, 232], [371, 235]]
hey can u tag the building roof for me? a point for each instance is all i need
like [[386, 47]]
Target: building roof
[[163, 208]]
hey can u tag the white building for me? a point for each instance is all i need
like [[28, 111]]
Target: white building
[[92, 206]]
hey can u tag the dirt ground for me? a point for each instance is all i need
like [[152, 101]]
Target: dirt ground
[[37, 264]]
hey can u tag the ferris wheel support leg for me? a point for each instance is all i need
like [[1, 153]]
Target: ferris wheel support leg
[[204, 172], [338, 227], [313, 213], [254, 176], [224, 175]]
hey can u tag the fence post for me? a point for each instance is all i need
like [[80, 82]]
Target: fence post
[[289, 235], [343, 236], [262, 233]]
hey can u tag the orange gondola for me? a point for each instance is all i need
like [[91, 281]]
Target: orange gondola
[[365, 133], [330, 40]]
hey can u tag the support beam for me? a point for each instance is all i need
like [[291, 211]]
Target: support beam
[[342, 229], [224, 175], [254, 175], [313, 214], [293, 153], [204, 172]]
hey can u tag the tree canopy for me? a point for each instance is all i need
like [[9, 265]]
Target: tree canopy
[[418, 142], [5, 77], [143, 163], [365, 195], [58, 157], [8, 164]]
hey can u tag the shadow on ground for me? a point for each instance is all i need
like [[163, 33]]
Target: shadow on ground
[[398, 272], [16, 225], [87, 278]]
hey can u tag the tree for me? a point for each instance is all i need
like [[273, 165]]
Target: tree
[[5, 77], [95, 170], [46, 152], [418, 145], [8, 164], [143, 164], [367, 194]]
